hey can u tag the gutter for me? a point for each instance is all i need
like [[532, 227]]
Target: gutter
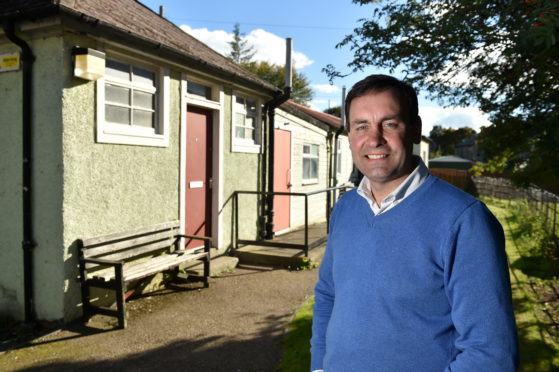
[[270, 107], [28, 242]]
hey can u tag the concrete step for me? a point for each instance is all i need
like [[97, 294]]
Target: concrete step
[[218, 265], [279, 257]]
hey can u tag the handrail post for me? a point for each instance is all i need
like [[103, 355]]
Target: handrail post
[[306, 226], [236, 216]]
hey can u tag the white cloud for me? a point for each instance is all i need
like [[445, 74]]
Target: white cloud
[[326, 88], [269, 47], [454, 117]]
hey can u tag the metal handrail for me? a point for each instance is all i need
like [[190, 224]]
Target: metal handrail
[[306, 246]]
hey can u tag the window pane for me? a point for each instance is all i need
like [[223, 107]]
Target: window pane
[[240, 100], [143, 118], [306, 149], [143, 76], [240, 119], [199, 90], [251, 107], [239, 132], [314, 150], [115, 94], [313, 168], [117, 70], [306, 169], [143, 99], [119, 115]]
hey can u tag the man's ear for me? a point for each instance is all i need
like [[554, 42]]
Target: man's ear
[[416, 135]]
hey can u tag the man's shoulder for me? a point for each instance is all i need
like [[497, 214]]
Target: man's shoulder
[[441, 191]]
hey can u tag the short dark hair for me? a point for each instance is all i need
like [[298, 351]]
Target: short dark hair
[[403, 92]]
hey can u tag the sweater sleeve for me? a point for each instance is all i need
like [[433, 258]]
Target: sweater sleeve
[[323, 303], [478, 288]]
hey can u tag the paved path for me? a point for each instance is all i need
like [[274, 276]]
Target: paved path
[[234, 326]]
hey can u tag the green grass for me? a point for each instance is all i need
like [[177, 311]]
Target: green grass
[[297, 357], [539, 350]]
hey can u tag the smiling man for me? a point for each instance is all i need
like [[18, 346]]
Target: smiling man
[[415, 276]]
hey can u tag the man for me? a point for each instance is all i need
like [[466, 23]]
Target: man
[[414, 277]]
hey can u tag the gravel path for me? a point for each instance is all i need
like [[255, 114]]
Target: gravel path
[[234, 326]]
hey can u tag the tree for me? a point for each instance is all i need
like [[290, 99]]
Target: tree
[[240, 51], [275, 74], [501, 55], [446, 139], [336, 111]]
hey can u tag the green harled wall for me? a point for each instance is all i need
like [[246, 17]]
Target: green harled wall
[[242, 172]]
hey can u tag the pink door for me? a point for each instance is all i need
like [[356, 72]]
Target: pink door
[[282, 178], [198, 174]]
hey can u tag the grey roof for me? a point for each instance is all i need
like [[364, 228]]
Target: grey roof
[[130, 19], [449, 159]]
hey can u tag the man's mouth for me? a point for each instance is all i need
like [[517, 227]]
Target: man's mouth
[[373, 157]]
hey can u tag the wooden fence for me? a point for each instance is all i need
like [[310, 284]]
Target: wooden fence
[[542, 202]]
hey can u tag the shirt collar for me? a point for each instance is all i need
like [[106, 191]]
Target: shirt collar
[[406, 188]]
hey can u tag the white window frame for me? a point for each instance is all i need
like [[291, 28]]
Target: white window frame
[[245, 144], [339, 157], [310, 156], [136, 135]]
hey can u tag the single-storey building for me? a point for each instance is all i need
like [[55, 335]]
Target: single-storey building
[[116, 119]]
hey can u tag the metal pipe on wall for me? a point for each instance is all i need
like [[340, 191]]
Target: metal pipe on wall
[[271, 106], [28, 242]]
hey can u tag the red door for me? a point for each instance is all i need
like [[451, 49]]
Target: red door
[[282, 178], [198, 174]]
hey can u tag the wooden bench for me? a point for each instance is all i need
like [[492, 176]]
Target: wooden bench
[[112, 261]]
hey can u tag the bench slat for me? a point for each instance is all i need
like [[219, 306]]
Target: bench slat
[[126, 244], [123, 235], [152, 268], [138, 251], [147, 268]]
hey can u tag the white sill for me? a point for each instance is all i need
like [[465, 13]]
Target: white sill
[[310, 182], [130, 135], [247, 148]]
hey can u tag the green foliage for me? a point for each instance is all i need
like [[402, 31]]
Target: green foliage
[[240, 51], [275, 74], [501, 55], [297, 356], [336, 111], [446, 139], [494, 166]]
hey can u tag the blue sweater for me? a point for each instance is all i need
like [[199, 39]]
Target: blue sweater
[[421, 287]]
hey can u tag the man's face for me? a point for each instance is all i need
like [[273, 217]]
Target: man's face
[[381, 142]]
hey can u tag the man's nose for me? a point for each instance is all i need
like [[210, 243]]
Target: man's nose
[[375, 137]]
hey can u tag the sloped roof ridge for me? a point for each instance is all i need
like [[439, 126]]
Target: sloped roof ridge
[[138, 20], [321, 116]]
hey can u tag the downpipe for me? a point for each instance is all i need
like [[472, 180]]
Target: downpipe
[[28, 242]]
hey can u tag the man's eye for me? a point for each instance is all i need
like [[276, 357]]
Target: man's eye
[[390, 125]]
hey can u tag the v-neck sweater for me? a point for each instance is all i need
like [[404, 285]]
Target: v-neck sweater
[[421, 287]]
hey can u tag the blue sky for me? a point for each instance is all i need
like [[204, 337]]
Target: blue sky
[[315, 26]]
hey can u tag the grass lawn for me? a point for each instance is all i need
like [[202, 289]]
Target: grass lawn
[[539, 348]]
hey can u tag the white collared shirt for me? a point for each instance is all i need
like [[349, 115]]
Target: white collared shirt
[[410, 184]]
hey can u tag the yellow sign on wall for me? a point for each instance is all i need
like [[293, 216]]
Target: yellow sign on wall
[[9, 62]]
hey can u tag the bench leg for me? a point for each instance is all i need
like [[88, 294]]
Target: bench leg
[[86, 304], [207, 260], [120, 303]]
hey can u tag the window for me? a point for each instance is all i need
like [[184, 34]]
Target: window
[[199, 90], [132, 105], [339, 157], [245, 124], [310, 163]]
